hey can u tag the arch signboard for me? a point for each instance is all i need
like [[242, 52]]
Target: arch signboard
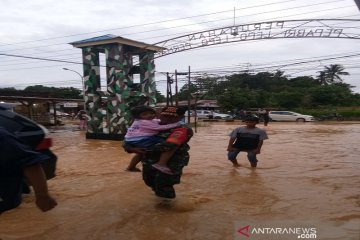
[[308, 28]]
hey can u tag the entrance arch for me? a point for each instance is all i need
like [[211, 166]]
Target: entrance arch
[[110, 120], [306, 28]]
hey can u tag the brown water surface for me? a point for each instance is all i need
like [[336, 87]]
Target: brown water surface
[[307, 171]]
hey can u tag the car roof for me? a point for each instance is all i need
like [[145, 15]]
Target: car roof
[[281, 111], [7, 106]]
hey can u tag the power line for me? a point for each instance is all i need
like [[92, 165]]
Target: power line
[[70, 62], [26, 62], [79, 63], [218, 71], [65, 61], [152, 23], [36, 58], [43, 59], [217, 20]]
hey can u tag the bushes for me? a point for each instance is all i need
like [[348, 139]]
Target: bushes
[[349, 113]]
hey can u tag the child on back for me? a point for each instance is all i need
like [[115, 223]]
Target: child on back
[[142, 134], [248, 139]]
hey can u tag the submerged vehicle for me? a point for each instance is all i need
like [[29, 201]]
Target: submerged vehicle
[[290, 116], [31, 134]]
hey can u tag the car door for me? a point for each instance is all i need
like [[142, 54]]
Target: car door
[[276, 116], [202, 114], [288, 116]]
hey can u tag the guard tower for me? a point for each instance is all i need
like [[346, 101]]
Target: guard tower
[[108, 111]]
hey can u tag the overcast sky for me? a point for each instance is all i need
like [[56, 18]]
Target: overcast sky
[[43, 29]]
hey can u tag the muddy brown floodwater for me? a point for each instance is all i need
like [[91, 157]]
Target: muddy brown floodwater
[[306, 171]]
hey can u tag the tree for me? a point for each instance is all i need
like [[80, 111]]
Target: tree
[[208, 85], [302, 82], [333, 72], [67, 92], [266, 89], [184, 91], [159, 97], [334, 94], [322, 78], [8, 89], [289, 99]]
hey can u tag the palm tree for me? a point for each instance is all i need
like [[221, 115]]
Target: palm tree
[[333, 72], [279, 74], [322, 78]]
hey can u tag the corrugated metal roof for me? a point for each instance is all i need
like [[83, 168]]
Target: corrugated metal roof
[[110, 39], [95, 39]]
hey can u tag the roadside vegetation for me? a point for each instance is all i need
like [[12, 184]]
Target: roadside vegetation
[[322, 95]]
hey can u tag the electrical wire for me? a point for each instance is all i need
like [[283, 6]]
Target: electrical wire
[[70, 62], [217, 20], [152, 23]]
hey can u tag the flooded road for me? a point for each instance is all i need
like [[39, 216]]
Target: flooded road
[[306, 171]]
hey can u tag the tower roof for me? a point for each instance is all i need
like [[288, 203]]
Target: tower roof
[[110, 38]]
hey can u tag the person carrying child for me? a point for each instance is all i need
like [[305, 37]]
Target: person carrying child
[[142, 134], [175, 139], [246, 139]]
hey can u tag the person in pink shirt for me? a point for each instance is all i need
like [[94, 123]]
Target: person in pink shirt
[[142, 134]]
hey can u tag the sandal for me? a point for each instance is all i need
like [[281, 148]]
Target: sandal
[[162, 169]]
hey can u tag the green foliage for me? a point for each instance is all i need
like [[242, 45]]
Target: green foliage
[[159, 97], [67, 93], [8, 89], [302, 82], [275, 90], [348, 113], [184, 91], [289, 99], [333, 72]]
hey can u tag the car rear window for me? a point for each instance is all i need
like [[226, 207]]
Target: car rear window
[[9, 124], [17, 123]]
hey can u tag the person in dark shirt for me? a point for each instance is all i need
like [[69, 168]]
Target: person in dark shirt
[[246, 139], [266, 117], [18, 162]]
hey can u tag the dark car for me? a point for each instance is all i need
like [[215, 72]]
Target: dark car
[[31, 133]]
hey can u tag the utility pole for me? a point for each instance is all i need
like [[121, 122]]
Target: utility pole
[[189, 97], [176, 90], [167, 89], [195, 95], [169, 81]]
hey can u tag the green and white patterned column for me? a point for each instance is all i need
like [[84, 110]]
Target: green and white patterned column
[[147, 77], [92, 88], [109, 111], [118, 65]]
